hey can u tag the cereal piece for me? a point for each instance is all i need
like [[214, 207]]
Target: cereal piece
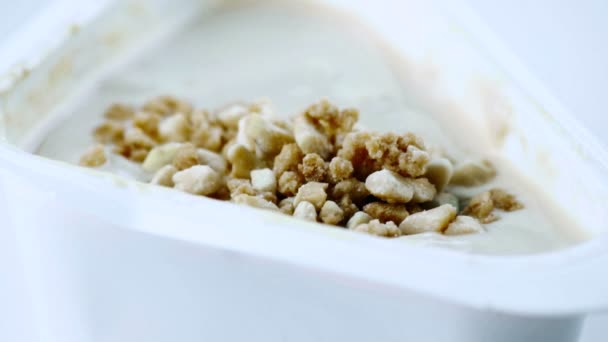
[[160, 156], [267, 137], [243, 160], [354, 150], [137, 139], [481, 207], [330, 121], [306, 211], [167, 105], [198, 180], [464, 225], [473, 173], [340, 169], [174, 128], [210, 138], [386, 211], [312, 192], [446, 198], [263, 107], [413, 208], [109, 132], [351, 187], [164, 176], [375, 227], [439, 172], [93, 157], [347, 205], [433, 220], [505, 201], [313, 168], [119, 111], [289, 182], [186, 157], [331, 213], [214, 160], [254, 201], [264, 180], [230, 115], [267, 195], [390, 186], [309, 139], [239, 186], [147, 122], [357, 219], [424, 191], [413, 162], [287, 159], [286, 205]]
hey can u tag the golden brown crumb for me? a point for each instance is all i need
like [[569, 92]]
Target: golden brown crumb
[[287, 160], [339, 169], [313, 168], [93, 157], [505, 201], [289, 183], [312, 192], [238, 186], [352, 188], [331, 213], [119, 111], [375, 227], [268, 196], [348, 207], [211, 138], [147, 122], [286, 205], [167, 105], [481, 207], [109, 132], [330, 121], [186, 157], [386, 212], [164, 176], [242, 160]]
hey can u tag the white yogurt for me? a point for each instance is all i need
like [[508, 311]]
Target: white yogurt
[[294, 54]]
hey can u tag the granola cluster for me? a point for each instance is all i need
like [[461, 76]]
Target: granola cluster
[[317, 166]]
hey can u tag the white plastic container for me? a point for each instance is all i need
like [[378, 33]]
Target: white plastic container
[[100, 258]]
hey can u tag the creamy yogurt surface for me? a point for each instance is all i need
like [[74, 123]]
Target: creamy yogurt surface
[[293, 54]]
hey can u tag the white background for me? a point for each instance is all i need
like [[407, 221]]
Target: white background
[[563, 42]]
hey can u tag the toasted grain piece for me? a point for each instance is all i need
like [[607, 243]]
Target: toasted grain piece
[[309, 139], [93, 157], [164, 176], [390, 186], [264, 180], [331, 213], [354, 150], [424, 191], [266, 136], [210, 138], [239, 186], [312, 192], [386, 211], [375, 227], [119, 111], [340, 169], [138, 139], [242, 159], [353, 188], [464, 225], [160, 156], [439, 172], [413, 162], [473, 173], [357, 219], [504, 200], [287, 160], [433, 220], [198, 180], [230, 115], [254, 201], [403, 154], [147, 122], [286, 205], [213, 159], [313, 168], [174, 128], [110, 131], [167, 105], [306, 211], [186, 157], [481, 207], [347, 205], [289, 183]]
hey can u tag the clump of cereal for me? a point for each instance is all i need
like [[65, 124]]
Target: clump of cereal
[[93, 157], [317, 167]]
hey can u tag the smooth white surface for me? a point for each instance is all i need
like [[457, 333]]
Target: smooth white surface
[[557, 40]]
